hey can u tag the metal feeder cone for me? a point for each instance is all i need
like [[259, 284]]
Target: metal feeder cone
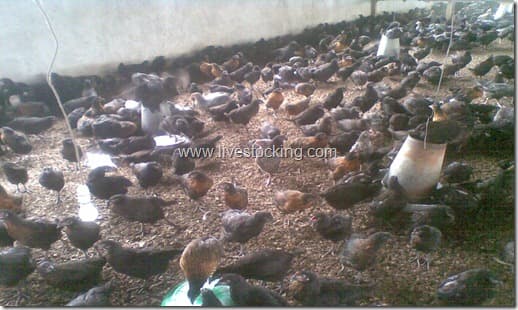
[[388, 47], [150, 120], [418, 167]]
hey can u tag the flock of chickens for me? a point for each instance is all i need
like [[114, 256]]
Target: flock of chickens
[[366, 131]]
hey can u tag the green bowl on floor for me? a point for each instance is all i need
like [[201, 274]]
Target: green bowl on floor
[[177, 297]]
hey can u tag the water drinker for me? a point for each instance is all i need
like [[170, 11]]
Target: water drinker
[[177, 297], [418, 167], [388, 47]]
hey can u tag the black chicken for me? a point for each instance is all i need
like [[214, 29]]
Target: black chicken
[[139, 263], [16, 264], [140, 209], [468, 288], [246, 295], [310, 290], [148, 173], [81, 235], [5, 239], [68, 151], [32, 125], [345, 196], [16, 175], [103, 187], [266, 265], [425, 239], [15, 140], [52, 179], [74, 275]]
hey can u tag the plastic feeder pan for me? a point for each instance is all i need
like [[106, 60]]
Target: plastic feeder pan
[[177, 297]]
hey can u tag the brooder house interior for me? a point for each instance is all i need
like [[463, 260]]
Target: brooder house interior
[[257, 153]]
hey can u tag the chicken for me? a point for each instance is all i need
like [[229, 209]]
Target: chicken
[[323, 125], [457, 172], [425, 239], [320, 140], [195, 184], [15, 140], [265, 265], [360, 253], [74, 275], [305, 89], [199, 260], [342, 165], [290, 201], [334, 227], [98, 296], [217, 113], [275, 99], [246, 295], [140, 263], [16, 175], [109, 127], [242, 226], [269, 131], [469, 288], [244, 114], [10, 202], [209, 299], [103, 186], [389, 202], [343, 142], [181, 164], [210, 100], [309, 115], [483, 67], [81, 235], [440, 216], [140, 209], [68, 151], [148, 173], [345, 196], [324, 72], [433, 74], [52, 179], [5, 239], [34, 234], [238, 75], [359, 78], [297, 107], [310, 290], [334, 98], [268, 164], [32, 125], [16, 264], [235, 197]]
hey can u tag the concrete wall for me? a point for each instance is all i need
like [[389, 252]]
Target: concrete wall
[[96, 35]]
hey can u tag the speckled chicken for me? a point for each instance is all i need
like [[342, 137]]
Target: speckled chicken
[[199, 260], [15, 140], [334, 227], [425, 239], [360, 253], [242, 226], [73, 275], [469, 288], [98, 296], [34, 234]]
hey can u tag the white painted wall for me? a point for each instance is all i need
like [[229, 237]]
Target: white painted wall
[[97, 35]]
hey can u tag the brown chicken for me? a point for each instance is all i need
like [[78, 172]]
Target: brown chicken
[[360, 253], [297, 107], [305, 89], [9, 202], [34, 234], [195, 184], [199, 260], [320, 140], [290, 201], [342, 165], [275, 99], [206, 68], [235, 197]]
